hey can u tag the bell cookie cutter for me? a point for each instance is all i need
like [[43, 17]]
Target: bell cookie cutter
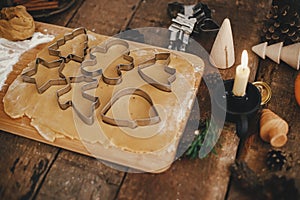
[[103, 49], [134, 122], [53, 49], [27, 75], [91, 84], [148, 63]]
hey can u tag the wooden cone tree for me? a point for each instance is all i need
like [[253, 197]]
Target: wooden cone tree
[[222, 52], [289, 54], [260, 49]]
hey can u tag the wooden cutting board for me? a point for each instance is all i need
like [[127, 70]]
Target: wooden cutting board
[[22, 127]]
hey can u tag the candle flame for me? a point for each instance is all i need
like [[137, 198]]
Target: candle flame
[[244, 59]]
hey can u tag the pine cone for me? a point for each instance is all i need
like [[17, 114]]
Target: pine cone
[[276, 159], [283, 23]]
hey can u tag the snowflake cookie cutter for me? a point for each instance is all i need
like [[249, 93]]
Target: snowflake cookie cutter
[[53, 49], [165, 56], [90, 84], [27, 75], [131, 123], [103, 49]]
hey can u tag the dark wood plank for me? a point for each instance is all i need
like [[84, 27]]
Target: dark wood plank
[[246, 21], [62, 19], [186, 179], [208, 178], [154, 14], [24, 164], [104, 17], [281, 79], [75, 176]]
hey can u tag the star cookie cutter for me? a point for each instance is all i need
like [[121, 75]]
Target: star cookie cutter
[[103, 48], [148, 63], [53, 49], [134, 122], [27, 75], [91, 84]]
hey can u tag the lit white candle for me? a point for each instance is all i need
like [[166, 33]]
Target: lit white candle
[[241, 76]]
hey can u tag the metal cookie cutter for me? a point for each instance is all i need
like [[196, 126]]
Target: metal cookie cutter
[[204, 22], [131, 123], [91, 84], [148, 63], [181, 29], [53, 49], [208, 25], [27, 75], [103, 48], [119, 68]]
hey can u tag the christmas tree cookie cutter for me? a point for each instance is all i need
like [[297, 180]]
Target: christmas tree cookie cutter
[[53, 49], [27, 75], [90, 84], [103, 49], [131, 123], [165, 57]]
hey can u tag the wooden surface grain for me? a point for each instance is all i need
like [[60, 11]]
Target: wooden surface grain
[[24, 165], [34, 170], [74, 176], [281, 80], [105, 17], [211, 174]]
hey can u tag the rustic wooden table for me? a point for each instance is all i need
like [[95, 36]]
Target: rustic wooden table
[[33, 170]]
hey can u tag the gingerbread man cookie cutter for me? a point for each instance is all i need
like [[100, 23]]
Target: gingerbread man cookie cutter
[[91, 84], [27, 75], [165, 56], [103, 49], [119, 68], [131, 123], [53, 49]]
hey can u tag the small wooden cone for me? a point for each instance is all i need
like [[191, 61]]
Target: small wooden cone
[[273, 52], [260, 49], [291, 55], [273, 129], [222, 52], [297, 89]]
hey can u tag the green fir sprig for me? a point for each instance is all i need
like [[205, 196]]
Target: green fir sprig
[[205, 139]]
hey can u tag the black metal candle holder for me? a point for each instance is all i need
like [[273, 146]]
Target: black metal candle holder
[[239, 110]]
